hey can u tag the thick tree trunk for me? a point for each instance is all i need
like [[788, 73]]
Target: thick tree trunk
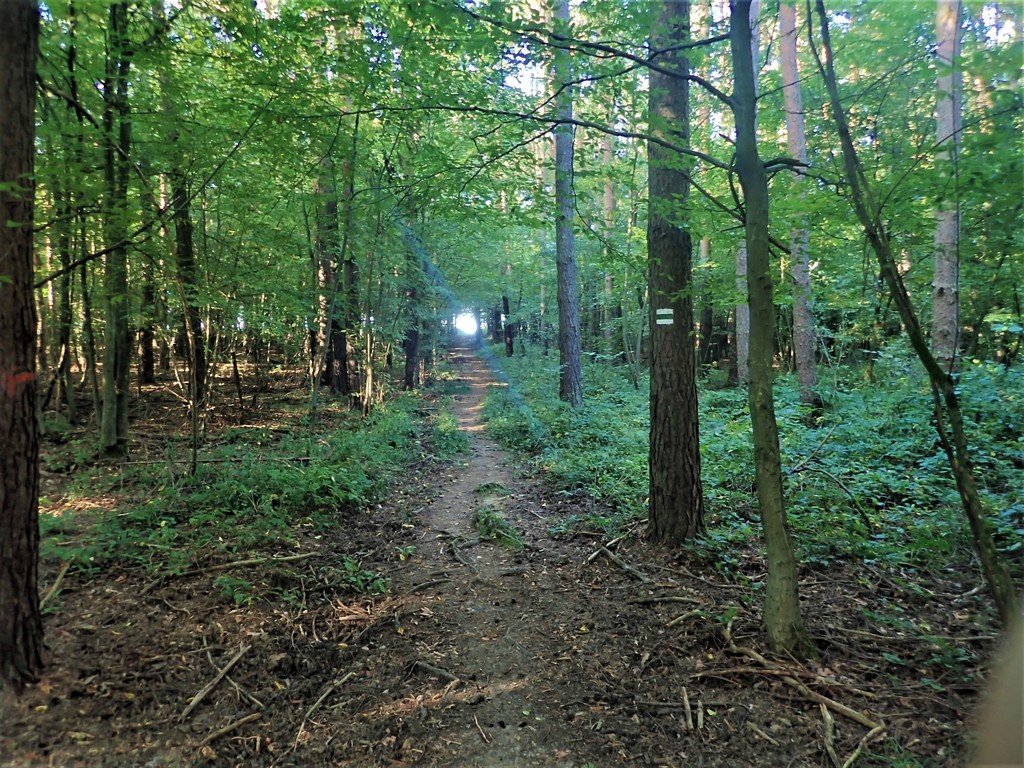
[[948, 122], [948, 417], [21, 625], [676, 508], [804, 342], [117, 127], [781, 603], [570, 382]]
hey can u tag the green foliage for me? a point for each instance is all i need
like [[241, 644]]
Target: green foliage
[[362, 579], [447, 438], [492, 525], [869, 480], [248, 495]]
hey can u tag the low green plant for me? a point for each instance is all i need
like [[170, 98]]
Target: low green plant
[[492, 525], [447, 438]]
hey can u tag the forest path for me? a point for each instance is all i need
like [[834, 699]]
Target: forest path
[[500, 611]]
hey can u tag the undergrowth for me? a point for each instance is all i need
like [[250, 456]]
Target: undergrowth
[[254, 488], [868, 479]]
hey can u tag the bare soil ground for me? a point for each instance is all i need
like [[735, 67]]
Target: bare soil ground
[[558, 653]]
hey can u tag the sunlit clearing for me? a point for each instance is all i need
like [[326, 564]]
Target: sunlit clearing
[[465, 324]]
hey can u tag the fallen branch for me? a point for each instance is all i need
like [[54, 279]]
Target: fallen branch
[[198, 698], [684, 617], [624, 565], [437, 672], [788, 679], [327, 692], [56, 585], [482, 734], [229, 728], [226, 566], [870, 736], [830, 736], [761, 733], [665, 599]]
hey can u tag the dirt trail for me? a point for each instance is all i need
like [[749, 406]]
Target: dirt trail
[[498, 639], [479, 655]]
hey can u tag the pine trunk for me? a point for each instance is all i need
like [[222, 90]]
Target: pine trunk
[[676, 508], [21, 626]]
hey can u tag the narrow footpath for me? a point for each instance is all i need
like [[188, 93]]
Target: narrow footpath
[[504, 643]]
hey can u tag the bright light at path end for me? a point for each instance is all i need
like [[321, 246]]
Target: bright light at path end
[[465, 324]]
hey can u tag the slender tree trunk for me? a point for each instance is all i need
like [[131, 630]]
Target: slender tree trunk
[[741, 314], [21, 625], [948, 417], [948, 123], [676, 509], [705, 326], [65, 310], [781, 602], [184, 248], [804, 341], [570, 383], [117, 127]]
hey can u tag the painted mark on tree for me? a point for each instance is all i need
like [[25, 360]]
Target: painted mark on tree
[[663, 316], [12, 381]]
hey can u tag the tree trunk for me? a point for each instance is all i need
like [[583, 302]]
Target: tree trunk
[[117, 128], [948, 122], [705, 326], [570, 382], [676, 508], [953, 437], [21, 625], [804, 342], [742, 318], [781, 603], [184, 249]]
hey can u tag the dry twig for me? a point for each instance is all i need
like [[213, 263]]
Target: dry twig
[[229, 728], [56, 585], [624, 565], [198, 698]]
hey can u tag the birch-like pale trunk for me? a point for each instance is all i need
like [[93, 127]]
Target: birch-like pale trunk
[[804, 342]]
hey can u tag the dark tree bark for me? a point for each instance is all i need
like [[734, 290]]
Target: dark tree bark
[[570, 383], [510, 328], [118, 132], [185, 253], [781, 602], [21, 625], [677, 502]]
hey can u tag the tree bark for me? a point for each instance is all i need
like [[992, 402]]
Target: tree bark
[[21, 625], [804, 341], [570, 381], [742, 318], [948, 122], [676, 509], [781, 603], [118, 133], [948, 418]]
